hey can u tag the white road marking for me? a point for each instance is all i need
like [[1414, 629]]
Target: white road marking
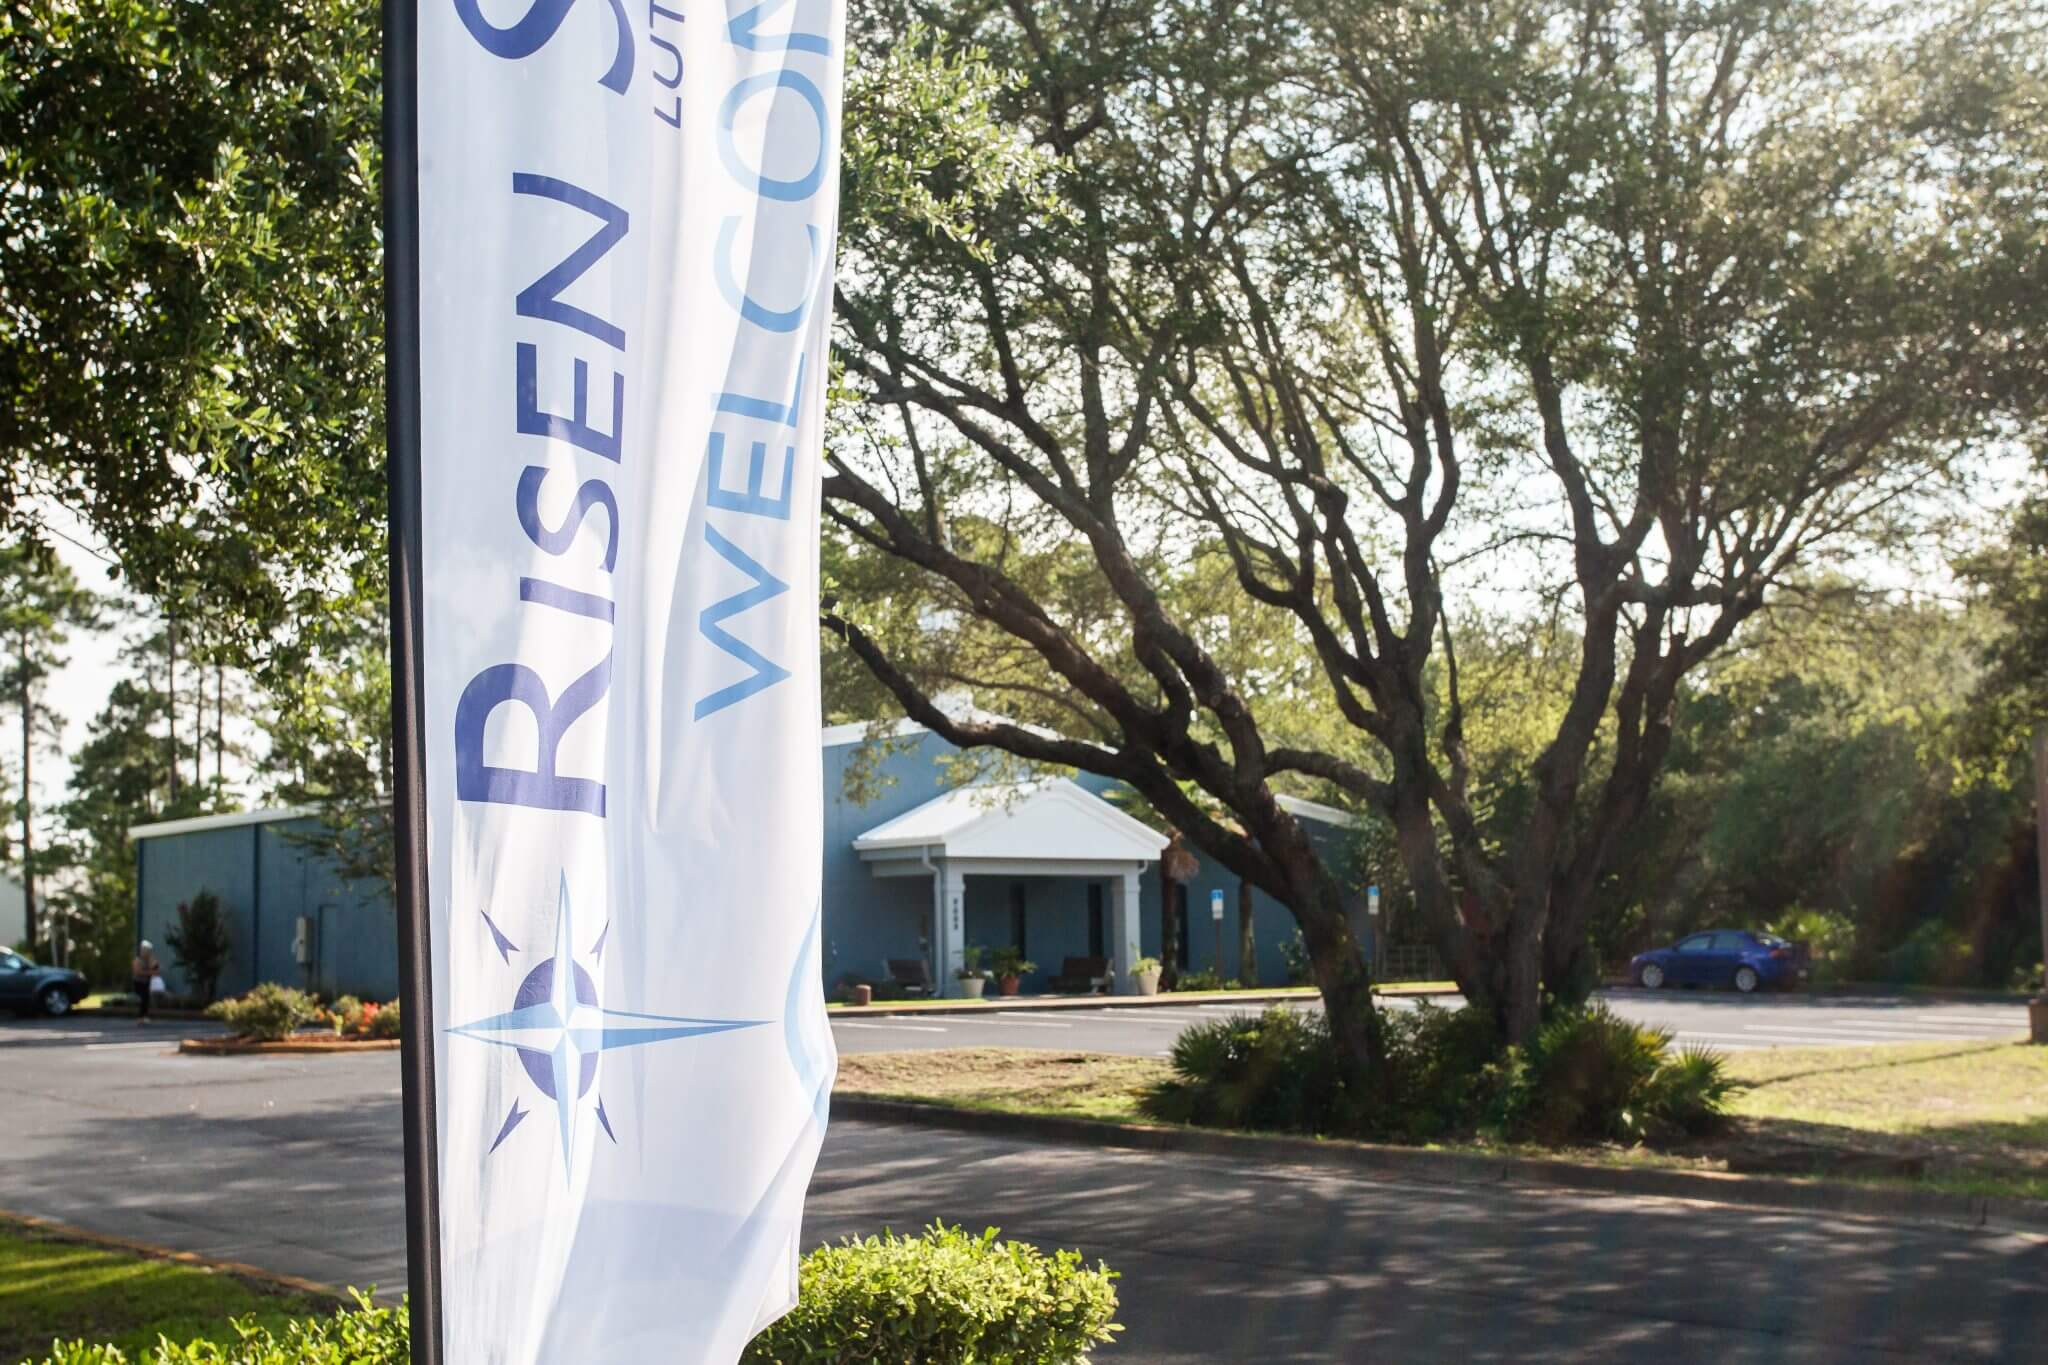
[[1023, 1023], [1143, 1016], [161, 1045], [890, 1028]]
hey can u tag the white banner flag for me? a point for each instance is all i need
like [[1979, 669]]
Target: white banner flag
[[626, 219]]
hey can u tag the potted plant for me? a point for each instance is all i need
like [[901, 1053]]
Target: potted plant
[[972, 976], [1145, 973], [1010, 967]]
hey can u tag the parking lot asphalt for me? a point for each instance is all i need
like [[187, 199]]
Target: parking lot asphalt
[[293, 1164], [1722, 1020]]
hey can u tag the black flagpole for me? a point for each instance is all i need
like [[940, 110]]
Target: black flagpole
[[408, 809]]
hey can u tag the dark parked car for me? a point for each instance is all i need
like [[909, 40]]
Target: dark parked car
[[24, 986], [1723, 957]]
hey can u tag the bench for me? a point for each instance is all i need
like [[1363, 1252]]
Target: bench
[[912, 974], [1083, 976]]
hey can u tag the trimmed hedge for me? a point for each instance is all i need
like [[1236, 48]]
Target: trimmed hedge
[[943, 1297], [946, 1296], [267, 1013], [366, 1335]]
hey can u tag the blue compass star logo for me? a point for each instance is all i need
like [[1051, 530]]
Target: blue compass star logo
[[558, 1029]]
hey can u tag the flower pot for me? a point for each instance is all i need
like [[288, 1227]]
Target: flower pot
[[863, 995], [1008, 985], [971, 987], [1147, 982]]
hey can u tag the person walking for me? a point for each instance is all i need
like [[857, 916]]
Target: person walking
[[146, 971]]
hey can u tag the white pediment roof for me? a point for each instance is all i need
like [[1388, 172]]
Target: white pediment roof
[[1055, 820]]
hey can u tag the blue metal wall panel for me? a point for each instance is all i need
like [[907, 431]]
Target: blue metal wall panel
[[177, 867], [266, 880]]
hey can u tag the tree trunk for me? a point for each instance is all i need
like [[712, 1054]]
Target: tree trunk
[[1247, 940], [220, 725], [1169, 930], [28, 815], [171, 699], [1338, 966]]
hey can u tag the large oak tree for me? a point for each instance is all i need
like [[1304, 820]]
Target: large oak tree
[[1411, 315]]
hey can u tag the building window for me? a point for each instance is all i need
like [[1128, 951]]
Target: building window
[[1095, 934], [1017, 919]]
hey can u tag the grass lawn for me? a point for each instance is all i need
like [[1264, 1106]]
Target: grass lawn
[[51, 1289], [1978, 1111]]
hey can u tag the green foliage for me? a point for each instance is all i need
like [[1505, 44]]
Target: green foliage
[[353, 1018], [1203, 980], [268, 1013], [1830, 940], [1144, 965], [1688, 1092], [1294, 953], [1589, 1075], [1584, 1078], [1008, 960], [200, 942], [1934, 954], [364, 1335], [382, 1021], [945, 1296], [1276, 1070]]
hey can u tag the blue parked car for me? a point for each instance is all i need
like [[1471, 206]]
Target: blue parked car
[[1722, 957], [24, 986]]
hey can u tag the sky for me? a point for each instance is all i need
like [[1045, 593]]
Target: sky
[[78, 691]]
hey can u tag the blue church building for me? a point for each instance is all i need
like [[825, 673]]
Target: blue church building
[[918, 864]]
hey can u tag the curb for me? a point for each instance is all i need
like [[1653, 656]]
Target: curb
[[269, 1280], [1096, 1002], [1936, 1207], [236, 1047]]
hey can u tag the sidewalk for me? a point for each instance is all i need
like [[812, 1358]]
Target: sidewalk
[[1166, 1000]]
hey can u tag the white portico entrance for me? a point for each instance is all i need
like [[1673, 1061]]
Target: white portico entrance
[[1052, 828]]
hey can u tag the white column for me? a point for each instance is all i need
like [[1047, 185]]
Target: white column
[[1123, 928], [951, 937]]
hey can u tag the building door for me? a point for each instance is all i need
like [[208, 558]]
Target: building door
[[1097, 939]]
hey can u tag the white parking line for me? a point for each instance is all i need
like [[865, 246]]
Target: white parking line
[[1022, 1023], [1932, 1028], [1861, 1033], [890, 1028], [161, 1045], [1143, 1016]]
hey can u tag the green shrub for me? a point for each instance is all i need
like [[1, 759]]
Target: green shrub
[[1203, 980], [365, 1335], [1294, 956], [1588, 1076], [381, 1021], [347, 1016], [1830, 939], [1275, 1070], [1688, 1093], [1588, 1071], [200, 942], [1593, 1076], [267, 1013], [1932, 955], [943, 1297]]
